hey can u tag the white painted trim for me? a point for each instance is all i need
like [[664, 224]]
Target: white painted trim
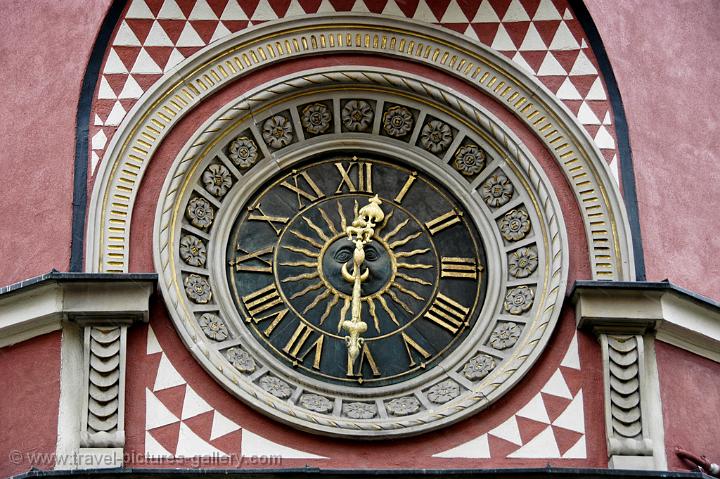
[[28, 314], [690, 326], [71, 395], [40, 309]]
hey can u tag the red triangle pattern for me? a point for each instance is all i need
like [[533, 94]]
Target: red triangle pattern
[[529, 428], [218, 6], [554, 405], [173, 28], [201, 424], [501, 447], [204, 28], [229, 443], [485, 33], [517, 31], [573, 379], [140, 27], [186, 6], [172, 398], [565, 438], [167, 436]]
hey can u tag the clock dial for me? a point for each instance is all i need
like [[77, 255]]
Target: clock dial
[[424, 282]]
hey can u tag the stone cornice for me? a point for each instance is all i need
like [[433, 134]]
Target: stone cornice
[[678, 316], [39, 305]]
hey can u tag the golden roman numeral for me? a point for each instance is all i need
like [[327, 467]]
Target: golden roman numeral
[[365, 355], [411, 344], [261, 300], [297, 341], [452, 267], [256, 255], [271, 220], [442, 222], [364, 177], [447, 313], [276, 318], [406, 187], [302, 193]]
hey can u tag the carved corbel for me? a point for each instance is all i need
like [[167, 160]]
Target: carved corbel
[[104, 347], [624, 322]]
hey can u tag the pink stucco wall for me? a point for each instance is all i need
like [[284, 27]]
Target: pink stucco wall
[[44, 46], [690, 403], [30, 383], [666, 62]]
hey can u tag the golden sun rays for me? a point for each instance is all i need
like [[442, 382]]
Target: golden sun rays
[[315, 239]]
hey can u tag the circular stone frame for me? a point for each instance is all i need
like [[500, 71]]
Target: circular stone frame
[[470, 121]]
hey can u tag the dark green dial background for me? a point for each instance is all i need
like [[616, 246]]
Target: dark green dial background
[[308, 230]]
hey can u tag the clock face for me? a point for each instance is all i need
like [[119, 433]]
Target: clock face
[[290, 259], [359, 263]]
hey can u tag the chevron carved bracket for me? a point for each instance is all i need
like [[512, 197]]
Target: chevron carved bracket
[[623, 357], [104, 356], [624, 318]]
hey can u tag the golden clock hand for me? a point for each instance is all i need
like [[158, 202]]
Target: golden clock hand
[[359, 232]]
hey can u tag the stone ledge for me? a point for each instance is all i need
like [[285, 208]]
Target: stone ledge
[[38, 305], [677, 316]]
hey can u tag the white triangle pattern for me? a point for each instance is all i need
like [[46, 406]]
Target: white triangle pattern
[[139, 9], [191, 445], [478, 448], [167, 376], [193, 405], [542, 446], [221, 426], [155, 450], [156, 413], [557, 386], [258, 446], [509, 431], [563, 40]]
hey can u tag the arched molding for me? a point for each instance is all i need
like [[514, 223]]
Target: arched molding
[[216, 66]]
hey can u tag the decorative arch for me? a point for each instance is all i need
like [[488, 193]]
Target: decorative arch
[[154, 116]]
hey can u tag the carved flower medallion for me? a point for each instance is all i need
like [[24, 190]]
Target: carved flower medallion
[[518, 300], [243, 152], [193, 251], [403, 406], [469, 160], [275, 386], [213, 327], [360, 410], [523, 262], [242, 361], [496, 191], [200, 213], [316, 118], [217, 180], [515, 225], [316, 403], [436, 136], [357, 115], [478, 367], [277, 131], [443, 392], [505, 335], [198, 289], [398, 121]]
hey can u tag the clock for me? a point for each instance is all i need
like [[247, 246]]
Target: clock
[[357, 261], [288, 259]]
